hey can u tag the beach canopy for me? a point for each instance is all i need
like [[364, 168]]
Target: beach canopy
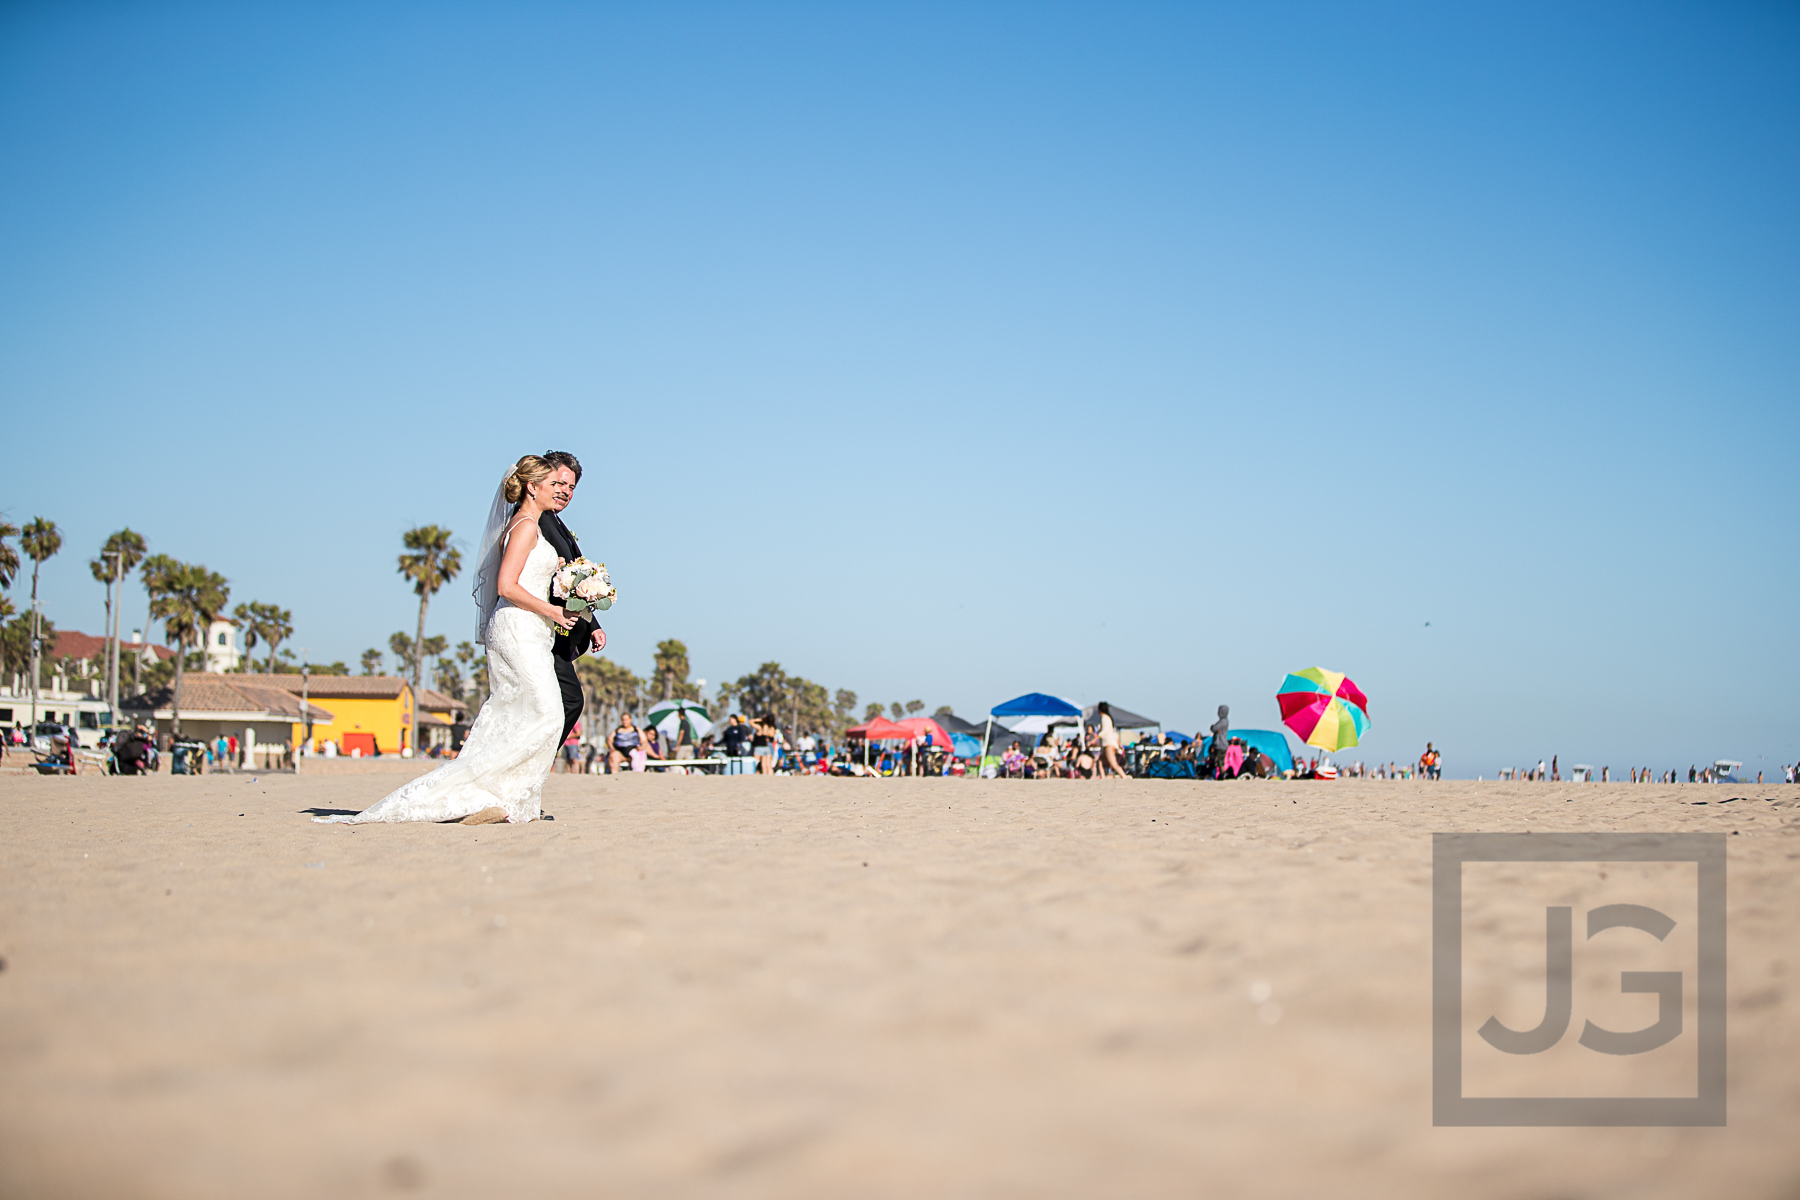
[[880, 729], [1324, 707], [956, 724], [1035, 713], [1270, 742], [922, 729], [1122, 719], [927, 729], [965, 745], [1177, 737], [1035, 704]]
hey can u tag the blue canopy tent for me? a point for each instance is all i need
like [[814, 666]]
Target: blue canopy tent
[[1273, 744], [1181, 738], [1034, 712]]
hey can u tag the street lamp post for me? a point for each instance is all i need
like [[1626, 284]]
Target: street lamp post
[[305, 709], [112, 639]]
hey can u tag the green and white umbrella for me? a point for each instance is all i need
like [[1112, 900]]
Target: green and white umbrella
[[665, 717]]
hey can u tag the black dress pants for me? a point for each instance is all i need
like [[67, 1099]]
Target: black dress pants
[[571, 696]]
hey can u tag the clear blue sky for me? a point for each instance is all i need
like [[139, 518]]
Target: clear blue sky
[[954, 351]]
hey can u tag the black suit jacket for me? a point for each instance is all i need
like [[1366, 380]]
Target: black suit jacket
[[578, 640]]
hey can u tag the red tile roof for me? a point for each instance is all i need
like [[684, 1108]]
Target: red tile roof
[[202, 693], [348, 687], [71, 643]]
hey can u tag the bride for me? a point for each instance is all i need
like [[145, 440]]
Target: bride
[[510, 748]]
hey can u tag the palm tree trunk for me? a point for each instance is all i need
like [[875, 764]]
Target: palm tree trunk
[[418, 669], [36, 637], [175, 704], [112, 652]]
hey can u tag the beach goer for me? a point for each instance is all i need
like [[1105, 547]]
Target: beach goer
[[625, 740], [762, 743], [1108, 736], [1234, 759], [1012, 763], [509, 751], [1221, 734]]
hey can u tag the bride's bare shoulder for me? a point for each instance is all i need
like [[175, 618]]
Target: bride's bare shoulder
[[523, 523]]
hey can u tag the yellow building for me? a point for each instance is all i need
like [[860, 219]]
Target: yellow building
[[370, 713]]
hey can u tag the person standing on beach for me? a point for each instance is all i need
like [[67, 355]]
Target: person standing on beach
[[1221, 733], [585, 634], [1109, 742]]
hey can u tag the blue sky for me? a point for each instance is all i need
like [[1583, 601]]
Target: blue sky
[[954, 351]]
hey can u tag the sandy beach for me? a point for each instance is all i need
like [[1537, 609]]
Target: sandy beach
[[807, 987]]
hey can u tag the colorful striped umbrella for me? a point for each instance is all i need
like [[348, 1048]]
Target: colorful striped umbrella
[[1324, 708]]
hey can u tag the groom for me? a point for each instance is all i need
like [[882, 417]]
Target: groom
[[565, 473]]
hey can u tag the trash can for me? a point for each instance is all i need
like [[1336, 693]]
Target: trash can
[[185, 758]]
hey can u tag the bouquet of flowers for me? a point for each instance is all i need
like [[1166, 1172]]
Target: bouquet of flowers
[[582, 585]]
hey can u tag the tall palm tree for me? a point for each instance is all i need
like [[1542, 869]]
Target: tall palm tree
[[671, 661], [278, 627], [250, 620], [267, 623], [430, 562], [185, 598], [120, 555], [39, 539]]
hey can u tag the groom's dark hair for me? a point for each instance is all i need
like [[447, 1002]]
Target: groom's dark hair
[[562, 458]]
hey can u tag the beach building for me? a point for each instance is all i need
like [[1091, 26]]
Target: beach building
[[222, 654], [262, 719], [74, 692], [373, 713]]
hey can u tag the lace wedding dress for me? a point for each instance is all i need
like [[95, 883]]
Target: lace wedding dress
[[513, 743]]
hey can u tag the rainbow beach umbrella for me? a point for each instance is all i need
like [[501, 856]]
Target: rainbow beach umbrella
[[1324, 708]]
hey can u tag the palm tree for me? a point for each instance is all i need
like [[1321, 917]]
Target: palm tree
[[466, 654], [671, 660], [120, 555], [278, 627], [430, 563], [608, 688], [9, 557], [40, 540], [268, 623], [185, 598], [371, 661], [249, 618]]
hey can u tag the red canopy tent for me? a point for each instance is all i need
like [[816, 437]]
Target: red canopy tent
[[912, 729]]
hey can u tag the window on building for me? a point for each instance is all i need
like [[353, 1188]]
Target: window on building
[[6, 714], [221, 637]]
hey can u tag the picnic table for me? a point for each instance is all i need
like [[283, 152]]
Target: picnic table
[[716, 765]]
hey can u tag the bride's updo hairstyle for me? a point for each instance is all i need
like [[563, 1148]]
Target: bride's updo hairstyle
[[528, 470]]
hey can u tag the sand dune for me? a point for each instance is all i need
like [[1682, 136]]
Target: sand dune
[[803, 987]]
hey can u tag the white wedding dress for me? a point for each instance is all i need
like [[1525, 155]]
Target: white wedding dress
[[513, 743]]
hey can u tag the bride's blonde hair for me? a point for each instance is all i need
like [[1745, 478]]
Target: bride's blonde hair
[[528, 470]]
